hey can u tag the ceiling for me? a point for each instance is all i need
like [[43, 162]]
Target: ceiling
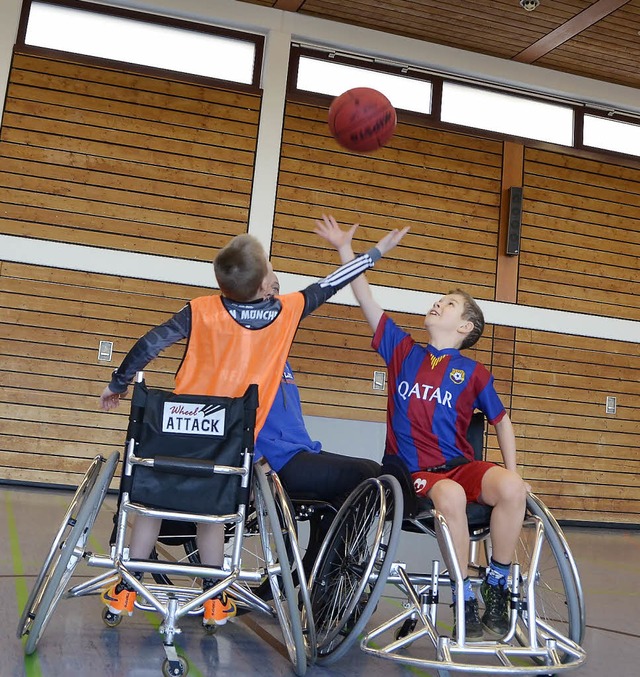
[[596, 39]]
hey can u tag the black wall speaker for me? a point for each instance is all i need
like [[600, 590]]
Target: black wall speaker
[[515, 221]]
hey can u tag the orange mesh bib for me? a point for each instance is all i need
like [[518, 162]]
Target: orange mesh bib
[[223, 357]]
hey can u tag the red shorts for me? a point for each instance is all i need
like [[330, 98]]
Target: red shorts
[[468, 476]]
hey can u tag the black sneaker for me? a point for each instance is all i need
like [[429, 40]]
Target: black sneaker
[[472, 622], [496, 616]]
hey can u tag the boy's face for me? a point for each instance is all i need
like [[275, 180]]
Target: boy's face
[[446, 315]]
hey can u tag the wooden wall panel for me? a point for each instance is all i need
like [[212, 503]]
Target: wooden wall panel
[[51, 325], [580, 244], [68, 176], [53, 320], [583, 462], [107, 158], [445, 186]]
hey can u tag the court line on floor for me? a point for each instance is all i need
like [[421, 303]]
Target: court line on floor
[[634, 635], [31, 663]]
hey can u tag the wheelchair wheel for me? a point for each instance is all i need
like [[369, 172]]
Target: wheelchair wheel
[[67, 549], [275, 557], [286, 514], [353, 565], [558, 593]]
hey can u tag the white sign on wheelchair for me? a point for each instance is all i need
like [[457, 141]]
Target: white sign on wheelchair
[[188, 418]]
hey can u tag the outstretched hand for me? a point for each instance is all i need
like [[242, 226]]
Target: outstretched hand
[[110, 400], [391, 239], [328, 229]]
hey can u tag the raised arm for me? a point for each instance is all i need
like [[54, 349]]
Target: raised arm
[[328, 229]]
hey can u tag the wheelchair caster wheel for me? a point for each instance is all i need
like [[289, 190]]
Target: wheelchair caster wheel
[[177, 668], [406, 628], [110, 619], [210, 629]]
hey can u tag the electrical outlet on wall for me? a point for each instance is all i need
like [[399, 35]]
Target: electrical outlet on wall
[[379, 380], [105, 351]]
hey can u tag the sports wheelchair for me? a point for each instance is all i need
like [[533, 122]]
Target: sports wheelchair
[[547, 615], [188, 459]]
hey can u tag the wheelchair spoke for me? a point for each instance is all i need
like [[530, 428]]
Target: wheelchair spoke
[[353, 565]]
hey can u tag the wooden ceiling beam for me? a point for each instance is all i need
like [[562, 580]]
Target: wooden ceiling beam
[[569, 29], [288, 5]]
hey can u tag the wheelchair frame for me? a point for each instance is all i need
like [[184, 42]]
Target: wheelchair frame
[[533, 644], [547, 614], [278, 539]]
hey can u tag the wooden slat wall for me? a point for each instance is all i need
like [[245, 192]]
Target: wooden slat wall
[[60, 181], [108, 158], [580, 250], [580, 245], [52, 322], [583, 462], [101, 157], [445, 186]]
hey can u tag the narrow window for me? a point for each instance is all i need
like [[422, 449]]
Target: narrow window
[[507, 113], [328, 77], [616, 135], [136, 41]]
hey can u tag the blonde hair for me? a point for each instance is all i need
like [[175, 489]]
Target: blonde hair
[[240, 267]]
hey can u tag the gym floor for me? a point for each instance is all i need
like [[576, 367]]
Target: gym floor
[[76, 642]]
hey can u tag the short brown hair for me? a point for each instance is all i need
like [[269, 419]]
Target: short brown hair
[[472, 313], [240, 268]]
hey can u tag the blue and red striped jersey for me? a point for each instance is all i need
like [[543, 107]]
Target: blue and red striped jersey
[[432, 395]]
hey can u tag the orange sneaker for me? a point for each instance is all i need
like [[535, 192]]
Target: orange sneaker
[[119, 599], [218, 610]]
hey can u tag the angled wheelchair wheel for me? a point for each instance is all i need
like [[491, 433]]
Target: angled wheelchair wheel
[[559, 601], [286, 514], [353, 565], [67, 549], [278, 566]]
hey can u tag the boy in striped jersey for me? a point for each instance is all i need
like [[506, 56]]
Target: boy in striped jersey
[[235, 338], [433, 392]]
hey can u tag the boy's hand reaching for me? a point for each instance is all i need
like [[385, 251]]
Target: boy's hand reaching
[[391, 239], [328, 229]]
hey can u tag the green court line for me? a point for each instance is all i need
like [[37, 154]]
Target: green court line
[[31, 663]]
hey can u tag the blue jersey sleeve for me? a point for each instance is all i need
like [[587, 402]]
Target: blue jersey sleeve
[[489, 402], [388, 337]]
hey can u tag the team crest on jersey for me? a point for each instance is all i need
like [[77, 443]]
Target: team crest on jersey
[[187, 418], [457, 376]]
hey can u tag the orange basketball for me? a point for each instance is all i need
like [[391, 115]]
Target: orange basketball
[[362, 119]]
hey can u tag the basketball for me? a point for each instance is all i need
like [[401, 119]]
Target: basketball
[[362, 119]]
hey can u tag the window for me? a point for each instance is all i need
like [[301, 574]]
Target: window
[[183, 48], [329, 77], [616, 135], [507, 113]]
